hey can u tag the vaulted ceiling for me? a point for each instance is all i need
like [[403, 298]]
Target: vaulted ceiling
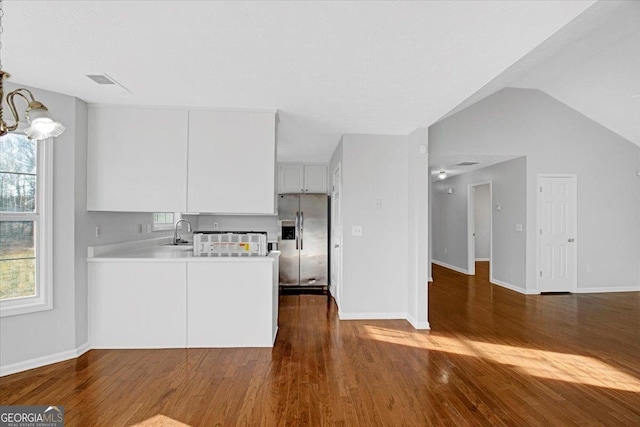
[[330, 67]]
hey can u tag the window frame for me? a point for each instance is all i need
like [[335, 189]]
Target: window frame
[[43, 222], [168, 226]]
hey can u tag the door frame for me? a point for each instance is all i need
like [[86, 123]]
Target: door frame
[[336, 228], [574, 177], [471, 214]]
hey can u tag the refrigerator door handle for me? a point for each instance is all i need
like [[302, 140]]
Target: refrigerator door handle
[[296, 228], [301, 229]]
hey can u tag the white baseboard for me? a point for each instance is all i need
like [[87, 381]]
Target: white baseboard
[[39, 362], [612, 289], [370, 316], [483, 259], [450, 267], [275, 335], [416, 324], [430, 279], [512, 287]]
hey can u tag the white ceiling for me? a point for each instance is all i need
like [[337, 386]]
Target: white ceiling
[[592, 64], [330, 67]]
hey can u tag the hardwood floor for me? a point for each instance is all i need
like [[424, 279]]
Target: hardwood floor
[[493, 357]]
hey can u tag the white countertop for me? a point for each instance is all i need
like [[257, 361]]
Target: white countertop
[[151, 251]]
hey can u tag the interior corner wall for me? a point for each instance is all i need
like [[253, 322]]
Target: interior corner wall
[[374, 285], [558, 139], [450, 231]]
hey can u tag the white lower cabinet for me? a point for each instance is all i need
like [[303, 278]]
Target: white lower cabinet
[[137, 304], [229, 304], [216, 303]]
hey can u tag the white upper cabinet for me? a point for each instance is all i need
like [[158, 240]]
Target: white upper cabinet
[[315, 179], [291, 179], [137, 159], [302, 179], [232, 160]]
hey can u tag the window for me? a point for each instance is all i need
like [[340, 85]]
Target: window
[[25, 225], [165, 220]]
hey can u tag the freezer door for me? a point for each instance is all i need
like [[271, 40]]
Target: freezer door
[[288, 239], [313, 240]]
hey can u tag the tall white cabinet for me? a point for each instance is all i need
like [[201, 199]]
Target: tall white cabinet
[[137, 159], [232, 161]]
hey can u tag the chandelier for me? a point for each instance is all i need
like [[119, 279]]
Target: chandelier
[[41, 125]]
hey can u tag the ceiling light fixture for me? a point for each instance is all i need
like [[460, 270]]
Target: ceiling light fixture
[[41, 125], [442, 175]]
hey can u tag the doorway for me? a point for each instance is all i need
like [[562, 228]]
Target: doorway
[[557, 226], [479, 225]]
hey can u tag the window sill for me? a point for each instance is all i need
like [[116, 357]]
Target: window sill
[[23, 306]]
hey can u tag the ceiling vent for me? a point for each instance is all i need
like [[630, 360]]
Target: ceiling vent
[[467, 164], [101, 79]]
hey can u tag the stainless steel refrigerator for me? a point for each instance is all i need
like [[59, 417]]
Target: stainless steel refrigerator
[[303, 240]]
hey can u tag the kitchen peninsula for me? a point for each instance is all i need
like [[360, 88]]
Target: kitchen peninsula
[[150, 294]]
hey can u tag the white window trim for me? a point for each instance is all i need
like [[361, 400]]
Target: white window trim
[[163, 227], [43, 300]]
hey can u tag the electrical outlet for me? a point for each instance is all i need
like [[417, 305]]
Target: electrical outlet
[[140, 228], [589, 269], [445, 250], [379, 203], [148, 228], [356, 230], [98, 231], [215, 225], [518, 227]]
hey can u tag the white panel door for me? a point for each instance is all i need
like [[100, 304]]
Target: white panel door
[[557, 233], [336, 236]]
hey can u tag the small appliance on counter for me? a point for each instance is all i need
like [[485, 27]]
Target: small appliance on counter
[[230, 243]]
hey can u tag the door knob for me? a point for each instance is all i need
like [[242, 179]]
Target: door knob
[[571, 240]]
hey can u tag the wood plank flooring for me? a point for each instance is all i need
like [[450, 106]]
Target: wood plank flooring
[[493, 357]]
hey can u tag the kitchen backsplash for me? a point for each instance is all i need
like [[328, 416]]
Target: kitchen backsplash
[[268, 223]]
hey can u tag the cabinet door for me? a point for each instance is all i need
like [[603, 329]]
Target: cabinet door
[[315, 179], [291, 179], [138, 304], [137, 159], [230, 304], [231, 162]]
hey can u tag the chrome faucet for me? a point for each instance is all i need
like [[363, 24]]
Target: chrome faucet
[[176, 237]]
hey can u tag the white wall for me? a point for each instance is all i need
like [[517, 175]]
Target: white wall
[[482, 221], [449, 219], [557, 139], [374, 264]]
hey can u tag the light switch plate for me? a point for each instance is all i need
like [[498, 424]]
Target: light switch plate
[[356, 230]]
